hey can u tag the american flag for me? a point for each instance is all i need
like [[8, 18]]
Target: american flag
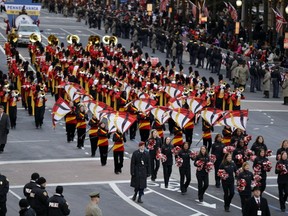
[[194, 9], [232, 11], [205, 9], [280, 20]]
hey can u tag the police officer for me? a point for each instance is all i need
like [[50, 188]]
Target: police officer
[[4, 188], [57, 205], [29, 186], [25, 209], [39, 197]]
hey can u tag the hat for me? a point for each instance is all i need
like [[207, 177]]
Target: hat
[[256, 188], [35, 176], [94, 194], [59, 189], [23, 203], [141, 143], [41, 180]]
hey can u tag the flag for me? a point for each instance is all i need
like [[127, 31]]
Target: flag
[[234, 119], [163, 5], [232, 11], [119, 121], [144, 105], [194, 9], [280, 20], [95, 107], [181, 116], [174, 90], [211, 115], [175, 103], [161, 113], [196, 104], [205, 9], [59, 110], [74, 91]]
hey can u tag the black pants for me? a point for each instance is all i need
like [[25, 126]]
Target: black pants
[[244, 199], [188, 136], [216, 168], [155, 164], [285, 100], [39, 116], [144, 134], [184, 173], [207, 143], [203, 183], [81, 133], [118, 160], [29, 105], [167, 170], [93, 143], [133, 130], [228, 189], [283, 194], [263, 184], [103, 154], [70, 131], [3, 209], [2, 146], [13, 115], [276, 86]]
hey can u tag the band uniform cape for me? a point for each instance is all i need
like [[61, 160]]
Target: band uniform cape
[[140, 169], [4, 127]]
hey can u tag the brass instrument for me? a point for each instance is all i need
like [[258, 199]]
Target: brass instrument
[[211, 92], [41, 94], [94, 39], [15, 93], [241, 89], [110, 40], [53, 40], [12, 37], [72, 39], [34, 38]]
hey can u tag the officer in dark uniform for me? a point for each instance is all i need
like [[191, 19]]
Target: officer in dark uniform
[[257, 205], [4, 188], [39, 197], [57, 205], [25, 209], [29, 186]]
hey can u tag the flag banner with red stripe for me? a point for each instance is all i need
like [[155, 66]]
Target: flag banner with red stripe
[[119, 121], [161, 113], [175, 103], [59, 110], [95, 107], [181, 116], [74, 90], [211, 115], [174, 90], [144, 105], [234, 119], [196, 104], [280, 20]]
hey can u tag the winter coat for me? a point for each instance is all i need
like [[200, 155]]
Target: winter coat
[[174, 49], [266, 81], [4, 128], [139, 169], [154, 41], [242, 75], [285, 88]]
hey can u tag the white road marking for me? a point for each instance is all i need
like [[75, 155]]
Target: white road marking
[[95, 32], [16, 195], [272, 119], [129, 201], [210, 195], [267, 110], [269, 116], [53, 160], [266, 126], [255, 128], [27, 141], [69, 33], [260, 101], [205, 204], [175, 201]]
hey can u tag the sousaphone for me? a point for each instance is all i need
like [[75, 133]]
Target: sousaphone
[[73, 39]]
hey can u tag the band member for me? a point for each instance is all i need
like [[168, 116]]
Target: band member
[[167, 164], [217, 150], [185, 168], [70, 123], [284, 147], [157, 126], [40, 100], [258, 164], [81, 117], [93, 132], [227, 168], [178, 136], [133, 129], [103, 142], [239, 154], [202, 175], [238, 134], [207, 135], [13, 99], [257, 205], [118, 151], [188, 131], [282, 180], [154, 145], [227, 134], [245, 190], [144, 126], [139, 170]]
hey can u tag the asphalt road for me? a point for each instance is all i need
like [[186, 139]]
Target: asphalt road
[[47, 152]]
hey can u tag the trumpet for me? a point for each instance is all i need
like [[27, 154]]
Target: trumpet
[[41, 94], [211, 92]]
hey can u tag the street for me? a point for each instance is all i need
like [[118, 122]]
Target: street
[[46, 151]]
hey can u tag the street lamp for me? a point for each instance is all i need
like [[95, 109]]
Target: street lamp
[[239, 3], [149, 9]]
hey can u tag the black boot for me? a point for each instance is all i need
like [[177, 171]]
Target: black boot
[[134, 196], [139, 200]]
